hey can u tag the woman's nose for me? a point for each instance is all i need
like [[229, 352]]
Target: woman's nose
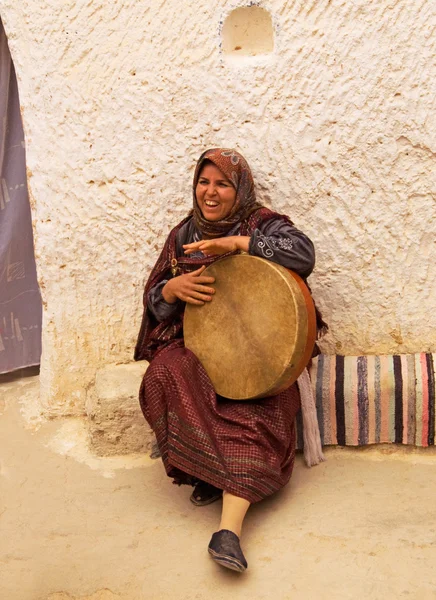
[[211, 190]]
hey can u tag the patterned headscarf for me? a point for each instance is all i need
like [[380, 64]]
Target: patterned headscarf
[[235, 168]]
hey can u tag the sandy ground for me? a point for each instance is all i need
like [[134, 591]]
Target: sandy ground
[[360, 526]]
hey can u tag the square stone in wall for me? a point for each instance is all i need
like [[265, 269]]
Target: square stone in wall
[[116, 424]]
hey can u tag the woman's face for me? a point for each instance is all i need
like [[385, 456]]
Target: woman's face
[[215, 193]]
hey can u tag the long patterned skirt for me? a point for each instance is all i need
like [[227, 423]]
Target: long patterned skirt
[[244, 447]]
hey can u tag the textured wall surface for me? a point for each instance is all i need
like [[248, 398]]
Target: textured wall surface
[[338, 123]]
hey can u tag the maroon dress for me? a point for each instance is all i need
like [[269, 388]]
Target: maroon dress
[[244, 447]]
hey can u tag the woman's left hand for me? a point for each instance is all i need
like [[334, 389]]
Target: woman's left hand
[[219, 246]]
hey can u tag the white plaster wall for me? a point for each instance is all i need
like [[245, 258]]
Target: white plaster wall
[[119, 98]]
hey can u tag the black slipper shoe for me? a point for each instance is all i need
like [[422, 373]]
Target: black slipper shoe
[[204, 494], [225, 549]]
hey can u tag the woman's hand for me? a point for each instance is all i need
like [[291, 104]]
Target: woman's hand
[[219, 246], [189, 288]]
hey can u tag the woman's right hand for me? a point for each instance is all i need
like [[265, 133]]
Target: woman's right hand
[[189, 288]]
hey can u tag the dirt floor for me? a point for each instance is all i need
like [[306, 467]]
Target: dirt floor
[[73, 527]]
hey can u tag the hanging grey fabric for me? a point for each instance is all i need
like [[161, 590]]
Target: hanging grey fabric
[[20, 300]]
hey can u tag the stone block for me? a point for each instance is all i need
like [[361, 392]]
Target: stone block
[[116, 424]]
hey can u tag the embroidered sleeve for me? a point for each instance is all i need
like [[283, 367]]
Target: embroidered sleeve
[[268, 245], [284, 244], [262, 245]]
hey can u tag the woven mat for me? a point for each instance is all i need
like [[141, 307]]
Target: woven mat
[[374, 399]]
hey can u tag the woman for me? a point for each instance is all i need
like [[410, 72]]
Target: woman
[[242, 451]]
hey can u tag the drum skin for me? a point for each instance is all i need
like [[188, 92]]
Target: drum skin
[[257, 334]]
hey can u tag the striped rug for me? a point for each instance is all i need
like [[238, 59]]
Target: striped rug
[[374, 399]]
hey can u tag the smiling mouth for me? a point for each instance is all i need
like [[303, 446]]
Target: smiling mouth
[[211, 204]]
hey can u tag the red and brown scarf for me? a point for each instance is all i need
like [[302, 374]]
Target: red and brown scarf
[[235, 168]]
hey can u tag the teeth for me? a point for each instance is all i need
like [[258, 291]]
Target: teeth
[[211, 203]]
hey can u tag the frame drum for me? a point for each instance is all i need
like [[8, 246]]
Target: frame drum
[[257, 334]]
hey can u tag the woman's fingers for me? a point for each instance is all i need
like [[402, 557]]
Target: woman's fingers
[[199, 271], [214, 247], [190, 300], [207, 248], [200, 296], [194, 297], [204, 247], [190, 287], [193, 244], [205, 279], [193, 250], [190, 248], [203, 289]]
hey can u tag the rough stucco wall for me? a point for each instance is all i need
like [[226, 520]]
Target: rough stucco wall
[[120, 98]]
